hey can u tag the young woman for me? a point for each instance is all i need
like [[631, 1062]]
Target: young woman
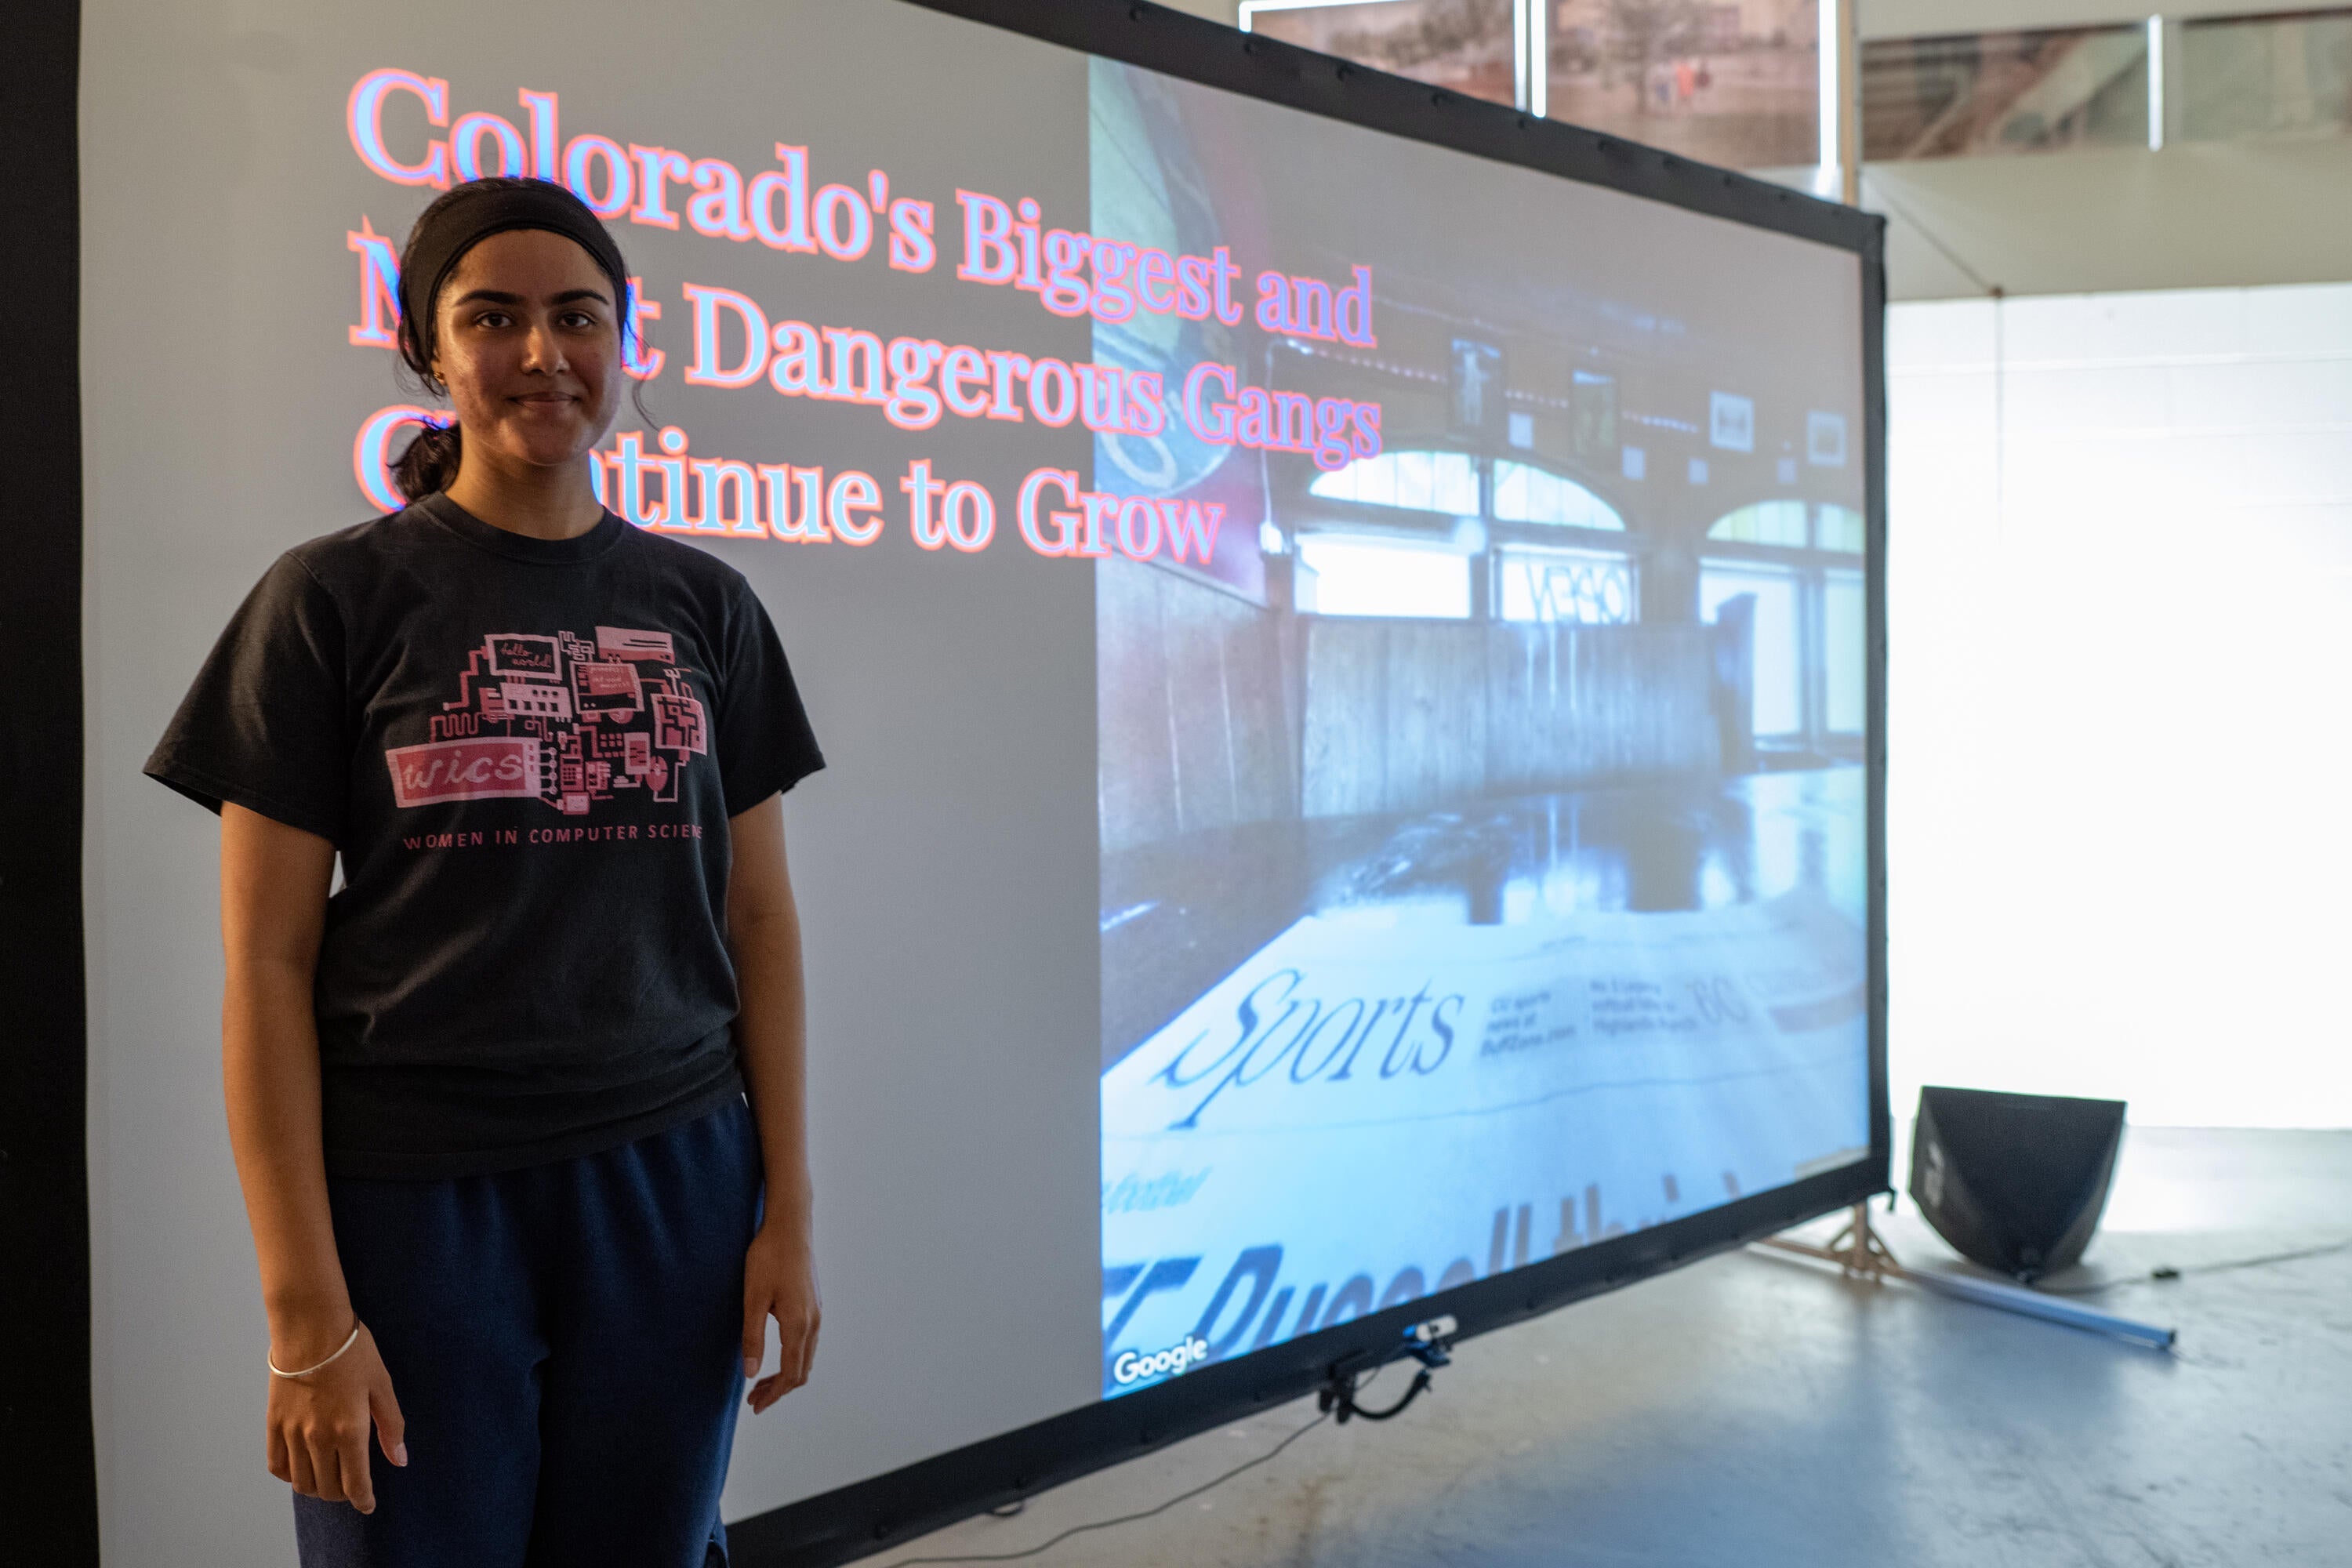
[[505, 1105]]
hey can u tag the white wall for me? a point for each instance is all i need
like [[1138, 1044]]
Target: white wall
[[2193, 216], [2120, 573]]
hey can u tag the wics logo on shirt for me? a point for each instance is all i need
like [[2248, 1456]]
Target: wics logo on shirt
[[561, 718]]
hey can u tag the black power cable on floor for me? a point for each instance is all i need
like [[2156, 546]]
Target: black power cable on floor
[[2166, 1271], [1126, 1518]]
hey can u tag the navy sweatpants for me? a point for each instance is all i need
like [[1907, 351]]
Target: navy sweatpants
[[565, 1342]]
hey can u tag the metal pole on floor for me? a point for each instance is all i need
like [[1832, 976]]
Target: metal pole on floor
[[1863, 1255]]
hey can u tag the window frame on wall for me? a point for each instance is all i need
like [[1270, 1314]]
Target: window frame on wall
[[1535, 47], [2009, 58], [1719, 71], [2168, 106], [2192, 32], [1519, 12]]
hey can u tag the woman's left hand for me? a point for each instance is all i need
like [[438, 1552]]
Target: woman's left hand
[[779, 1281]]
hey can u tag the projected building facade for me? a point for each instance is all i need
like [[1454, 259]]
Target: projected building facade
[[1493, 794]]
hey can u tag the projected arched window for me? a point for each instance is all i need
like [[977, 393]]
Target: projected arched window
[[1525, 493], [1793, 525], [1556, 585], [1765, 522], [1423, 480]]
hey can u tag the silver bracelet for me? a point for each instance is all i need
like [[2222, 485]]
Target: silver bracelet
[[277, 1370]]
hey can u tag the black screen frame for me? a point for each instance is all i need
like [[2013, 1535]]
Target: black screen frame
[[868, 1516], [48, 1457]]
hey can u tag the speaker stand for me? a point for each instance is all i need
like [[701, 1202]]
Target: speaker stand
[[1862, 1254]]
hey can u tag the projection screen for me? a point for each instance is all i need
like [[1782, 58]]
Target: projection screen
[[1345, 623]]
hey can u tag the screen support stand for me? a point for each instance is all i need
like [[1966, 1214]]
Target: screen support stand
[[1862, 1254], [1340, 1389]]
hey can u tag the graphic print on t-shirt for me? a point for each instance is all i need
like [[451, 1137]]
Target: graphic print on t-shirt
[[560, 718]]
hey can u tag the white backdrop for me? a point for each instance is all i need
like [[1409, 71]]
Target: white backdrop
[[2119, 573]]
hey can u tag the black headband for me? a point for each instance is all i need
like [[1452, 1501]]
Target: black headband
[[470, 214]]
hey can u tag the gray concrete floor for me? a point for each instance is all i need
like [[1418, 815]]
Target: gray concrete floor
[[1755, 1410]]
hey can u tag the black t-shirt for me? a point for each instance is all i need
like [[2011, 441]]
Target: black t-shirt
[[526, 752]]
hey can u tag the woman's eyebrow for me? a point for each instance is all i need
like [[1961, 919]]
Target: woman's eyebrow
[[501, 296]]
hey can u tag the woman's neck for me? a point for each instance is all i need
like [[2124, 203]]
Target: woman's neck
[[557, 503]]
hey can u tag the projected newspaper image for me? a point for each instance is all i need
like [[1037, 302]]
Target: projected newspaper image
[[1482, 820]]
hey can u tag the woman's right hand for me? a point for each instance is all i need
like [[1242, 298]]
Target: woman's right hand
[[273, 882], [319, 1426]]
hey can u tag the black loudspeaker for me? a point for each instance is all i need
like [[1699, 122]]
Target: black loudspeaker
[[2015, 1181]]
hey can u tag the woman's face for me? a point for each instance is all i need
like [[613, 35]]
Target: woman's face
[[528, 341]]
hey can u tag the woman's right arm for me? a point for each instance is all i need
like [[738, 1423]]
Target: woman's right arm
[[274, 883]]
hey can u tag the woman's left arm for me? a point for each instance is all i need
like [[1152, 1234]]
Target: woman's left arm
[[763, 932]]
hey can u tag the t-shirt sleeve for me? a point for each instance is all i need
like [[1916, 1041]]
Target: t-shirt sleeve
[[266, 723], [766, 744]]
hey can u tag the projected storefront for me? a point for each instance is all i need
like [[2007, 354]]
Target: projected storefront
[[1483, 854]]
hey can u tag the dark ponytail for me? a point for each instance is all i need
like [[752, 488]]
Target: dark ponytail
[[428, 465], [457, 220]]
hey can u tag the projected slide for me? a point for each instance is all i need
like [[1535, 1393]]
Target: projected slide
[[1483, 818], [1342, 663]]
